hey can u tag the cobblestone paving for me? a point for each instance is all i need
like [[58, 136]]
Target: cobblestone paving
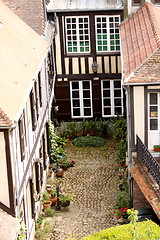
[[93, 182]]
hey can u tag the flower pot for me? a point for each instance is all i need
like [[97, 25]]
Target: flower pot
[[53, 200], [46, 204], [59, 172], [157, 149], [65, 203]]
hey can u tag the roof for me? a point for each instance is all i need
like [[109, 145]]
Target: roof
[[140, 39], [4, 119], [30, 11], [9, 226], [83, 5], [22, 51]]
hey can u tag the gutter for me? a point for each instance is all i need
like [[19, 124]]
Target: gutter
[[140, 84], [9, 127]]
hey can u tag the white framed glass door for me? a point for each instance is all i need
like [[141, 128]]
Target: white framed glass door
[[153, 119], [81, 99]]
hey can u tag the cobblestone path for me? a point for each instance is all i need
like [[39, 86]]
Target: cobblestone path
[[93, 182]]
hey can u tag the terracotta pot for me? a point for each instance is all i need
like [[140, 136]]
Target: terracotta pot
[[157, 149], [53, 200], [46, 204], [59, 172]]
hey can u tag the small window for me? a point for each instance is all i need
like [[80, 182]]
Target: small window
[[77, 35], [112, 101], [107, 33], [81, 99], [22, 135]]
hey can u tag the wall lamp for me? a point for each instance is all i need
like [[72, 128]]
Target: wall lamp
[[94, 66]]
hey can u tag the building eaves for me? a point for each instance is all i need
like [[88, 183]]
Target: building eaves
[[83, 5], [4, 120]]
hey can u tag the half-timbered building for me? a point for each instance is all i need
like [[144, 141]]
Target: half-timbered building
[[26, 95], [140, 35], [88, 65]]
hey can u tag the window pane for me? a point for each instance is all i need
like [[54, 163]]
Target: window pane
[[107, 102], [76, 112], [75, 85], [118, 110], [154, 124], [106, 84], [153, 111], [86, 85], [117, 84], [107, 111], [117, 93], [153, 98], [75, 94], [87, 111], [86, 103], [76, 103], [106, 93], [117, 102], [86, 94]]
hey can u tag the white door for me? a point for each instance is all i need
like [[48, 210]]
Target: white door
[[153, 119]]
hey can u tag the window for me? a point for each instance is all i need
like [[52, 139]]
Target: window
[[22, 136], [81, 95], [153, 111], [77, 35], [107, 33], [112, 104]]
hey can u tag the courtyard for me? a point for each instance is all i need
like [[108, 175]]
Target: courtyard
[[93, 181]]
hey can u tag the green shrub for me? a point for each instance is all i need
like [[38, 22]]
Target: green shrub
[[123, 199], [89, 141], [119, 128], [146, 230], [49, 212]]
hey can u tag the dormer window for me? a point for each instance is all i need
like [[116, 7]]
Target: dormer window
[[107, 33], [77, 34]]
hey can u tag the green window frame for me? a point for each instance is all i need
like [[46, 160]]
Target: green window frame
[[77, 34], [107, 33]]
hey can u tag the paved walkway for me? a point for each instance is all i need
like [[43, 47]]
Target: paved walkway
[[93, 182]]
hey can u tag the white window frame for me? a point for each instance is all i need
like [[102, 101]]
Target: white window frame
[[107, 39], [78, 36], [111, 89], [81, 98]]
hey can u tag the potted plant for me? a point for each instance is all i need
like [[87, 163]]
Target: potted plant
[[53, 198], [156, 148], [46, 200], [65, 200]]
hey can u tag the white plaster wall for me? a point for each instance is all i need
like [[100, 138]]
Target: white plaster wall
[[139, 112]]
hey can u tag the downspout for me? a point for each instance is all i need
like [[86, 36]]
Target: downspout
[[129, 152]]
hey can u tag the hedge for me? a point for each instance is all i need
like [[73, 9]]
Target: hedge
[[146, 230]]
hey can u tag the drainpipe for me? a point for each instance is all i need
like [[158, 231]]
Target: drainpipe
[[129, 152]]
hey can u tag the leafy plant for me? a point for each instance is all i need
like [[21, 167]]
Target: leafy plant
[[121, 153], [119, 128], [45, 196], [65, 200], [22, 231], [123, 200], [156, 146], [49, 212], [42, 234], [89, 141]]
